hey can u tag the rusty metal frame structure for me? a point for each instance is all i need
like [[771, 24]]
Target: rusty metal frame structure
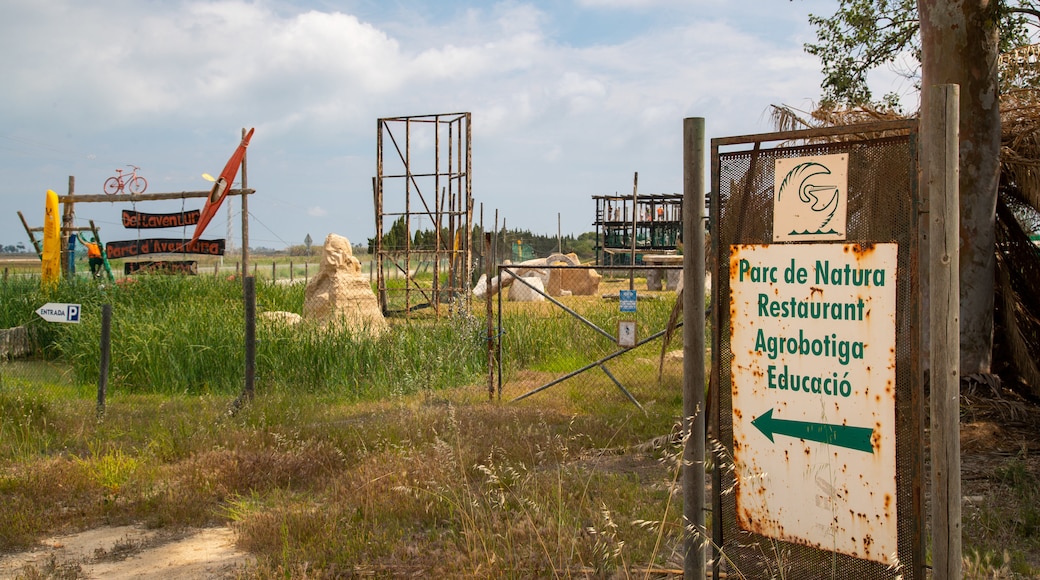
[[659, 225], [888, 209], [426, 176]]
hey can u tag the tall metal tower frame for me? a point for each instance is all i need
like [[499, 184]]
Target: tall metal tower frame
[[425, 177]]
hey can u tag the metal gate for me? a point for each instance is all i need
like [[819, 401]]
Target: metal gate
[[574, 341], [882, 208]]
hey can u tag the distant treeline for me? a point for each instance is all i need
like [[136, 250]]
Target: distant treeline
[[506, 240]]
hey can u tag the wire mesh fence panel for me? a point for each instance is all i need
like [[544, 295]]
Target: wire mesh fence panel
[[881, 209], [589, 346]]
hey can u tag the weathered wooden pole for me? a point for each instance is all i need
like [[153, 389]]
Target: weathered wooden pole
[[245, 214], [32, 238], [695, 537], [68, 240], [106, 349], [490, 313], [250, 336], [942, 175], [635, 217]]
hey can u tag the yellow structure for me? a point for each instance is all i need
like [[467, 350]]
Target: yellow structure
[[51, 264]]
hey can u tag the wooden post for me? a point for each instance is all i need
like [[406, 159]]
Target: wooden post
[[942, 174], [106, 349], [245, 213], [250, 338], [694, 408], [490, 312], [68, 262], [32, 238], [635, 218], [559, 235], [273, 277]]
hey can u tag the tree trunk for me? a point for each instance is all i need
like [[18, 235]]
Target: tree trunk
[[959, 41]]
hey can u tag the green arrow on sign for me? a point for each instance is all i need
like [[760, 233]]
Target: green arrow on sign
[[855, 438]]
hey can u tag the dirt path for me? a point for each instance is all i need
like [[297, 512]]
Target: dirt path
[[125, 552]]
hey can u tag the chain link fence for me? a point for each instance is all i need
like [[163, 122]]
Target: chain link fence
[[602, 342]]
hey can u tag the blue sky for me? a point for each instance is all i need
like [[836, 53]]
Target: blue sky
[[569, 99]]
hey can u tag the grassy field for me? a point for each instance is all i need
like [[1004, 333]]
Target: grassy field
[[357, 453], [368, 456]]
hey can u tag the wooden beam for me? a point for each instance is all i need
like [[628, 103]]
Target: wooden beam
[[32, 238], [63, 230], [96, 198]]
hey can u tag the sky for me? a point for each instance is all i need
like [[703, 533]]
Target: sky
[[569, 99]]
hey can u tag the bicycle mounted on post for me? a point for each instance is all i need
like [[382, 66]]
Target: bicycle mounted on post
[[133, 182]]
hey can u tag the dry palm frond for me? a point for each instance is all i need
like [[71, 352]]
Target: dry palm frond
[[1020, 122], [1020, 144], [669, 331], [1017, 313], [787, 118]]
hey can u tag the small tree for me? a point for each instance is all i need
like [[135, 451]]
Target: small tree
[[307, 242]]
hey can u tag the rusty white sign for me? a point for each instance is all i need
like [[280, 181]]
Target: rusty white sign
[[810, 198], [813, 375]]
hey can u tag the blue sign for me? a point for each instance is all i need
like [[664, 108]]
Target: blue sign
[[628, 300]]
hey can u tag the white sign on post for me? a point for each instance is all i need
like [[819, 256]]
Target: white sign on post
[[59, 312], [813, 381]]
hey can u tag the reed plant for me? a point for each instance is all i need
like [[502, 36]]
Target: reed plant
[[172, 334]]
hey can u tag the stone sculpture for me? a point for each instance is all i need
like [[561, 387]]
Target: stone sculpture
[[340, 294]]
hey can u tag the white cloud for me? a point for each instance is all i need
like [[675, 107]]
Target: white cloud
[[624, 3], [553, 120]]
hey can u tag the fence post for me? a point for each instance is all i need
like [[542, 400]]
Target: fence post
[[250, 306], [290, 271], [106, 349], [490, 311], [273, 277], [942, 174], [694, 408]]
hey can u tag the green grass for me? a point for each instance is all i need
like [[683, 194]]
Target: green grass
[[1004, 527], [370, 455], [357, 453], [449, 485], [172, 334]]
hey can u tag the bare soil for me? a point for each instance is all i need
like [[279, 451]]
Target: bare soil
[[126, 552]]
